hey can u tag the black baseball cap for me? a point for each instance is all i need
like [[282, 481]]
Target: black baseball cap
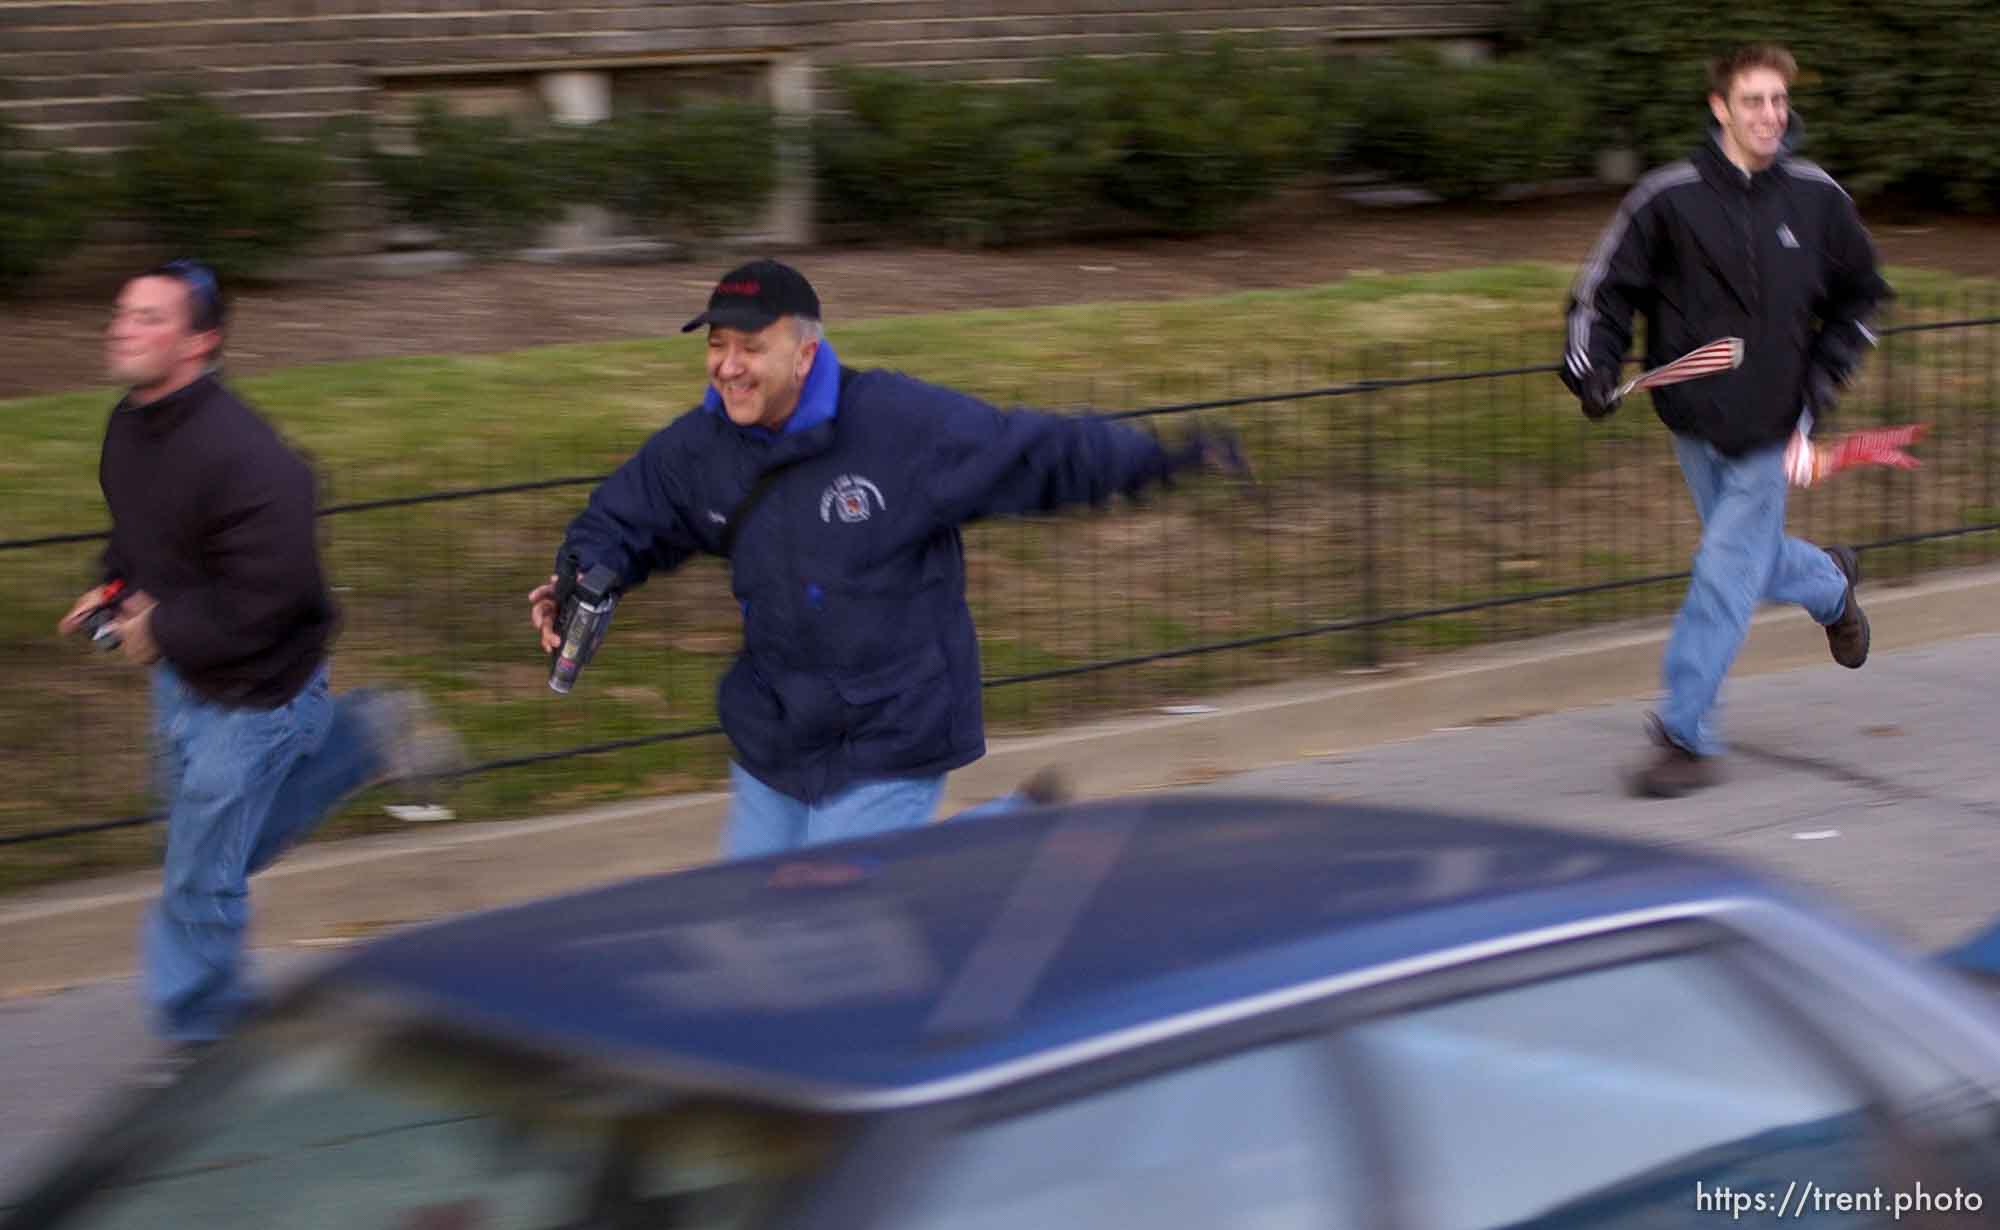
[[752, 296]]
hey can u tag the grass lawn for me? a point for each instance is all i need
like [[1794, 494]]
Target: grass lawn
[[1401, 500]]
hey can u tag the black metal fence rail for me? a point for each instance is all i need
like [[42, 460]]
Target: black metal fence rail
[[1415, 503]]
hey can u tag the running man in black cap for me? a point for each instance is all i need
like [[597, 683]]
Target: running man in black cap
[[837, 495]]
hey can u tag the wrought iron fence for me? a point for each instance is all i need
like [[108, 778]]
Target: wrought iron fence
[[1409, 500]]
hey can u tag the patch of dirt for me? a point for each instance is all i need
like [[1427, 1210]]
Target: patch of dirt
[[53, 340]]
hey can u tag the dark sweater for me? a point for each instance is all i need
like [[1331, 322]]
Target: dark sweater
[[213, 516]]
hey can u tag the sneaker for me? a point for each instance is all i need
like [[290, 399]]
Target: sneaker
[[411, 744], [1046, 787], [167, 1067], [1847, 636], [1674, 771]]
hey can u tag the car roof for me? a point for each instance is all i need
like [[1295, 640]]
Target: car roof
[[961, 955]]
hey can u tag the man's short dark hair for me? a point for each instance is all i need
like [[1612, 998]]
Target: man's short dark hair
[[207, 308], [1725, 69]]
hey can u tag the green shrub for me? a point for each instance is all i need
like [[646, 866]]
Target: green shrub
[[699, 169], [1466, 131], [949, 162], [1180, 142], [1188, 138], [1899, 97], [206, 182], [483, 185], [47, 202]]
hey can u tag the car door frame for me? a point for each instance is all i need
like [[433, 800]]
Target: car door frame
[[898, 1143]]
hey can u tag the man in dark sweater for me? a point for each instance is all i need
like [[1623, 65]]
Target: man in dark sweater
[[837, 496], [216, 573]]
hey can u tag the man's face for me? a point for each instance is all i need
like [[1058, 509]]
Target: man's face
[[759, 375], [150, 343], [1754, 116]]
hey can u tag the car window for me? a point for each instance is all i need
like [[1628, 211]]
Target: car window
[[1248, 1141], [1662, 1092], [407, 1134], [1954, 1118], [717, 1166]]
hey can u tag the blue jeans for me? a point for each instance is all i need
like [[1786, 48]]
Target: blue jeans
[[766, 821], [1745, 557], [241, 785]]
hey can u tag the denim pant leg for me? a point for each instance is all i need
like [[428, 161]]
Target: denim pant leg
[[761, 820], [1741, 501], [231, 764], [867, 808], [1806, 576], [336, 757]]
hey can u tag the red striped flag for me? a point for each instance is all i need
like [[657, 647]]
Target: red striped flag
[[1881, 446], [1718, 356]]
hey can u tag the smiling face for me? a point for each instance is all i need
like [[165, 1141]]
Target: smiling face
[[760, 374], [1753, 116]]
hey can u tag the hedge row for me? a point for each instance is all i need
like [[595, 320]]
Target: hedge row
[[1179, 142], [203, 180], [1898, 98]]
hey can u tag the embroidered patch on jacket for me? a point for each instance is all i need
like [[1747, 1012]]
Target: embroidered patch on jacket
[[849, 496]]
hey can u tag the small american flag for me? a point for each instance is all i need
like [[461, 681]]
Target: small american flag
[[1806, 462], [1718, 356]]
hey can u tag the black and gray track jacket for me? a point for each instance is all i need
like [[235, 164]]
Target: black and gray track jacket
[[1703, 250]]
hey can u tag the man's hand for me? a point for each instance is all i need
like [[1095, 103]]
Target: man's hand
[[90, 600], [1594, 387], [542, 614], [1597, 391], [1216, 449], [1801, 460], [134, 622]]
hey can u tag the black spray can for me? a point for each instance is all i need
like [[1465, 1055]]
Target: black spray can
[[583, 614]]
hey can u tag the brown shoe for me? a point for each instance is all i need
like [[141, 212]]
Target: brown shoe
[[1674, 771], [1847, 636], [1048, 785]]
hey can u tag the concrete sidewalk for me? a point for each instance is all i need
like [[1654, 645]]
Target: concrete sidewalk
[[1875, 787], [328, 894]]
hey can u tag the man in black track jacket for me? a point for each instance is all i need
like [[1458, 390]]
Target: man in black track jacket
[[1740, 239]]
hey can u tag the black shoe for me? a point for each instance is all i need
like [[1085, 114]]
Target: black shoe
[[167, 1067], [1674, 771], [413, 749], [1847, 636], [1046, 787]]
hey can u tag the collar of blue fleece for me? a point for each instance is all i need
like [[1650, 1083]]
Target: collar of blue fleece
[[817, 400]]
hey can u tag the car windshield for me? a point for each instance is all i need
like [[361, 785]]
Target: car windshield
[[325, 1124]]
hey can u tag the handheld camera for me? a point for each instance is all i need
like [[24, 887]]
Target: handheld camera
[[584, 603], [101, 624]]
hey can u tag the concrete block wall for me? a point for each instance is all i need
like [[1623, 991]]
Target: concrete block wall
[[73, 71]]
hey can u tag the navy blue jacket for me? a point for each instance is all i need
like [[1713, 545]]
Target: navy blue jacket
[[859, 658]]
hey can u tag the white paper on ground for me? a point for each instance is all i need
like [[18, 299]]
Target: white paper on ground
[[417, 813]]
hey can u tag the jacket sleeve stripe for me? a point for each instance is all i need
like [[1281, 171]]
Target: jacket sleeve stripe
[[1583, 294], [1801, 169]]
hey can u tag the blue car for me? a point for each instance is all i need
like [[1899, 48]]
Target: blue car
[[1154, 1014]]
